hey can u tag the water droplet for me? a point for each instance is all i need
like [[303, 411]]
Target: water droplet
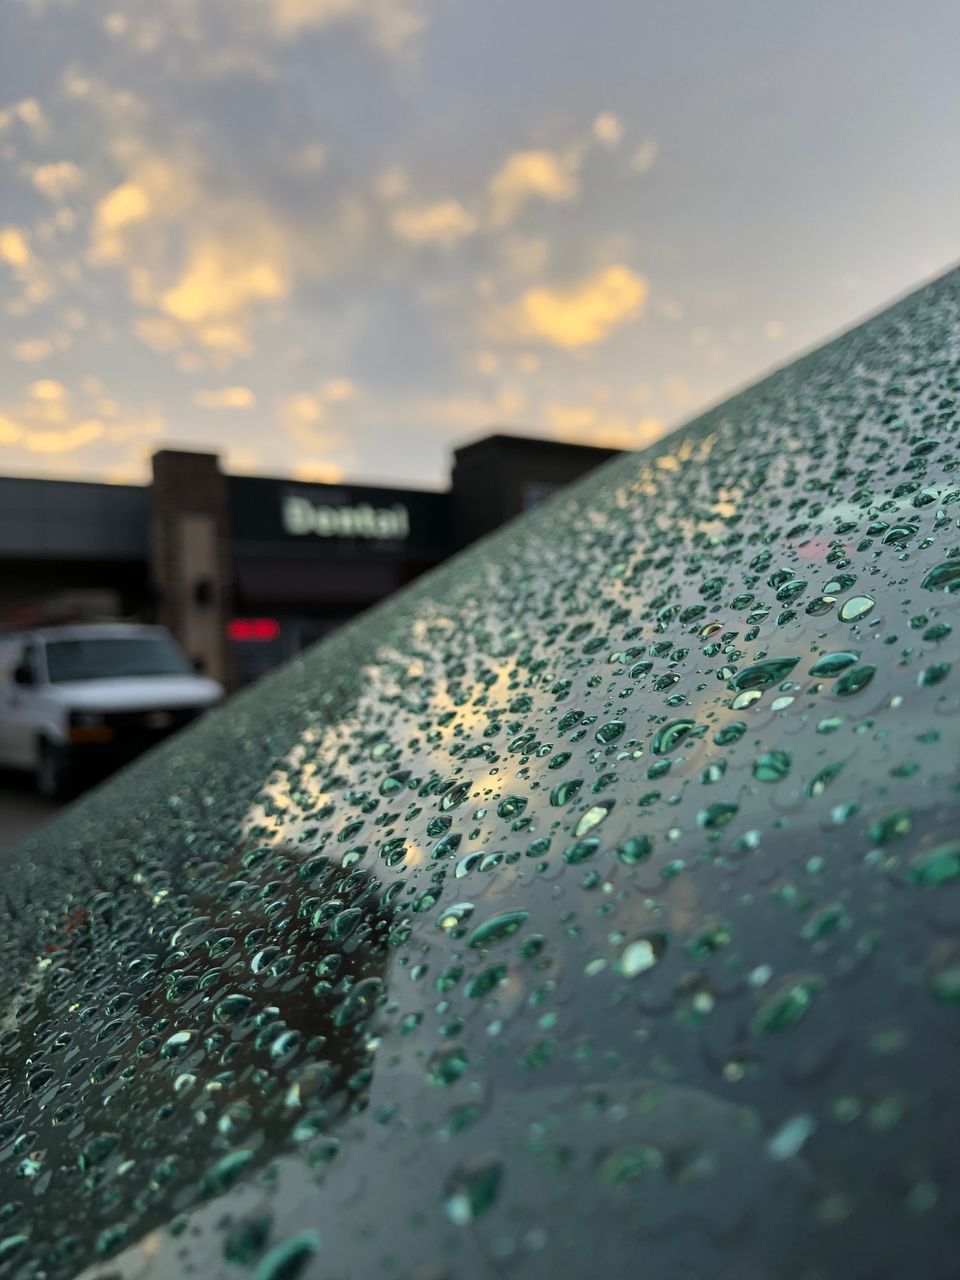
[[581, 850], [485, 981], [708, 938], [670, 736], [772, 766], [473, 1190], [455, 796], [853, 681], [511, 806], [287, 1260], [729, 733], [178, 1043], [231, 1008], [890, 826], [856, 607], [565, 792], [456, 915], [938, 865], [642, 954], [97, 1149], [790, 1138], [933, 674], [746, 699], [943, 577], [761, 675], [717, 815], [610, 732], [821, 780], [628, 1163], [497, 928], [447, 1065], [636, 849], [225, 1173], [593, 817], [831, 664], [786, 1007]]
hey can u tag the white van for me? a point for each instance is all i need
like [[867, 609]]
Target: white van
[[92, 695]]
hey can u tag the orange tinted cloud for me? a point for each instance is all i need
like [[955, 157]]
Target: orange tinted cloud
[[582, 314]]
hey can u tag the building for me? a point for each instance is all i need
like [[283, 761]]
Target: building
[[248, 570]]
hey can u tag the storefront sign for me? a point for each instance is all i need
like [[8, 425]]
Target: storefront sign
[[302, 517], [342, 520]]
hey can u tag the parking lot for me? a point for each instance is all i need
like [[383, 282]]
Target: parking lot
[[21, 810]]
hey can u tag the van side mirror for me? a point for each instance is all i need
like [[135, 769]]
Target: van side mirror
[[22, 674]]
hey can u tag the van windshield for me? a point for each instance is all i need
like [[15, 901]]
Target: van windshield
[[107, 657]]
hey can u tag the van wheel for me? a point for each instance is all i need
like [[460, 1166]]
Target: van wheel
[[53, 774]]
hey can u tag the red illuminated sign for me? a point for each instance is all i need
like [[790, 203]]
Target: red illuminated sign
[[255, 629]]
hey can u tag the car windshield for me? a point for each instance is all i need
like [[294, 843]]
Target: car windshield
[[112, 657]]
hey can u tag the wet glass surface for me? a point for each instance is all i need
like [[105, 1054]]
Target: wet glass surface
[[592, 906]]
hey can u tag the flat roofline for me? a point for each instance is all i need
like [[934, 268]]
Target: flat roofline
[[512, 440], [63, 480]]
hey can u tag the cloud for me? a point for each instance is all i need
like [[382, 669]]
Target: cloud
[[336, 390], [583, 314], [28, 111], [203, 254], [30, 350], [10, 432], [530, 175], [443, 223], [523, 255], [644, 156], [302, 410], [222, 280], [588, 423], [57, 179], [14, 248], [66, 440], [158, 333], [476, 412], [389, 23], [608, 129], [225, 398], [124, 205], [47, 389], [315, 472], [45, 423]]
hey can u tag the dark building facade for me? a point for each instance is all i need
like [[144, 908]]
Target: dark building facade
[[248, 570]]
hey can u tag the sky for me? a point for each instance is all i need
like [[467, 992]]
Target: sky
[[336, 239]]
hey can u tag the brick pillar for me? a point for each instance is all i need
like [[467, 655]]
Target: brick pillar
[[190, 555]]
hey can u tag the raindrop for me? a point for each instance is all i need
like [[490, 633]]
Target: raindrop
[[593, 817], [772, 766], [497, 928], [642, 954], [670, 736], [786, 1007], [716, 815], [936, 866], [853, 681], [761, 675], [831, 664], [636, 849], [856, 607], [943, 577], [473, 1190], [287, 1260]]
